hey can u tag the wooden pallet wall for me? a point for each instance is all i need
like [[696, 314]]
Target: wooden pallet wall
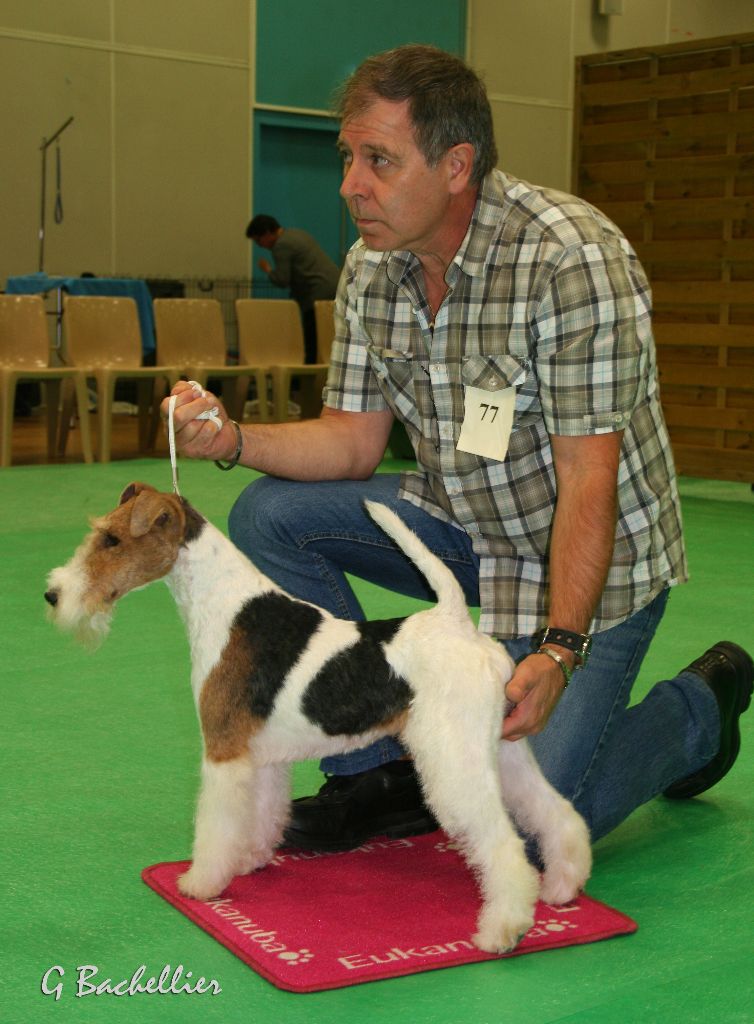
[[664, 145]]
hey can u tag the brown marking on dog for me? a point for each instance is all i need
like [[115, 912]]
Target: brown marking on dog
[[395, 725], [136, 543], [226, 719]]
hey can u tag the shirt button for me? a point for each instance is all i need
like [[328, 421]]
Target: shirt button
[[618, 417]]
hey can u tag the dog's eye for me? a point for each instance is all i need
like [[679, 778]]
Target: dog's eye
[[109, 540]]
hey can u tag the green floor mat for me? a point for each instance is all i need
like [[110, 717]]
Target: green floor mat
[[100, 758]]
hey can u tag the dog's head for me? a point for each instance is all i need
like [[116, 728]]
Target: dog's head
[[135, 544]]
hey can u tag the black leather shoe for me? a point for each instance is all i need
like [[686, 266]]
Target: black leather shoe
[[350, 809], [728, 671]]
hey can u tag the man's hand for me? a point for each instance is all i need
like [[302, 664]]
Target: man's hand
[[195, 438], [534, 688], [265, 265]]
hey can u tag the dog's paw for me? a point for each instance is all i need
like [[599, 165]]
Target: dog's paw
[[504, 921], [200, 885], [568, 863], [502, 936], [561, 885]]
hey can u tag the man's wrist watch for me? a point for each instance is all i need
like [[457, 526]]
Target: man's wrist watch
[[579, 643]]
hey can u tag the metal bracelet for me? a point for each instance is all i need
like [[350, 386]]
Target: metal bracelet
[[564, 666], [233, 461]]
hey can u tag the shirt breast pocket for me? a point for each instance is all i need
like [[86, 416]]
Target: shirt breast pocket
[[493, 373], [393, 368]]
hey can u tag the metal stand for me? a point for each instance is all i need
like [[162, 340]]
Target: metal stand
[[46, 143]]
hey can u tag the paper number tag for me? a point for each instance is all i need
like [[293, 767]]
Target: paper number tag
[[487, 422]]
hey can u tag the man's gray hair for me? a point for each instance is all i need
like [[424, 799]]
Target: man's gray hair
[[447, 101]]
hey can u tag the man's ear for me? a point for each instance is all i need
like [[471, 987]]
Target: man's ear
[[460, 166]]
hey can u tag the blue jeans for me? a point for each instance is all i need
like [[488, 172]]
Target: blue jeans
[[606, 757]]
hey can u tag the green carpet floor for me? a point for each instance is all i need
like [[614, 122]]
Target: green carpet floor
[[100, 757]]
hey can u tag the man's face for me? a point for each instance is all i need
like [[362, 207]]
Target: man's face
[[395, 199], [267, 240]]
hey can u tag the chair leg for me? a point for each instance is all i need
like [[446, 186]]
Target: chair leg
[[66, 414], [281, 389], [311, 394], [52, 401], [7, 399], [234, 392], [105, 397], [261, 385], [82, 401], [150, 393]]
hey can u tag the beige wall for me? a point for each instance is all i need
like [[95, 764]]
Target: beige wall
[[526, 52], [156, 165]]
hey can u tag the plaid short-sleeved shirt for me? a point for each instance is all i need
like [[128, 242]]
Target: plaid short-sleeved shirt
[[544, 295]]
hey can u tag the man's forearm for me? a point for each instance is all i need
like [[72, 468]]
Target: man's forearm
[[336, 446], [583, 534], [327, 448]]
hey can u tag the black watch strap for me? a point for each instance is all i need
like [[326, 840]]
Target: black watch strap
[[579, 643]]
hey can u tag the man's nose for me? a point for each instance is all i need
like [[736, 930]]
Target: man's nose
[[352, 184]]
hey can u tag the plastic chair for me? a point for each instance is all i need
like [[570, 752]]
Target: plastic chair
[[191, 335], [270, 334], [324, 319], [25, 355], [103, 338]]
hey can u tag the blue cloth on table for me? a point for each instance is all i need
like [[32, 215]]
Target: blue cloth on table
[[27, 284]]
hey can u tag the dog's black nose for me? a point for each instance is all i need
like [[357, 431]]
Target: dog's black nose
[[51, 597]]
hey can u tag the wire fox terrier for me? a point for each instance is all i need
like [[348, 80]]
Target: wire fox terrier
[[277, 680]]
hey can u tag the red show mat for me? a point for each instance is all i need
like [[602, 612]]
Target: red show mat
[[309, 921]]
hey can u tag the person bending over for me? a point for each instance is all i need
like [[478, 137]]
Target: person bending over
[[301, 265]]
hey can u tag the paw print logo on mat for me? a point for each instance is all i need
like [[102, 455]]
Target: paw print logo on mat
[[293, 957], [552, 924], [548, 926], [445, 845]]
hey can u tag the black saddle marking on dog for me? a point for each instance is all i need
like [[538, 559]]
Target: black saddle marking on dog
[[357, 689], [276, 630]]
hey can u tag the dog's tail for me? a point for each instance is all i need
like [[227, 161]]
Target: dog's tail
[[440, 578]]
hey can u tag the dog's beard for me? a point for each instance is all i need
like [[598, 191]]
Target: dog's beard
[[69, 614], [88, 630]]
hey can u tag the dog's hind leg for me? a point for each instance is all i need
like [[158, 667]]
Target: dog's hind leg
[[224, 826], [541, 812], [458, 770]]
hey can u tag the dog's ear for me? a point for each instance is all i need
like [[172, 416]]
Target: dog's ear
[[132, 490], [154, 509]]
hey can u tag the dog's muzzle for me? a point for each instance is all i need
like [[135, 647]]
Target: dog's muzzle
[[51, 597]]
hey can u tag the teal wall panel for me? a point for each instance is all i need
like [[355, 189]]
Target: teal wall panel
[[297, 173], [305, 48]]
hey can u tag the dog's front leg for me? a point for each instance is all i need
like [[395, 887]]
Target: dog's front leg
[[224, 827]]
